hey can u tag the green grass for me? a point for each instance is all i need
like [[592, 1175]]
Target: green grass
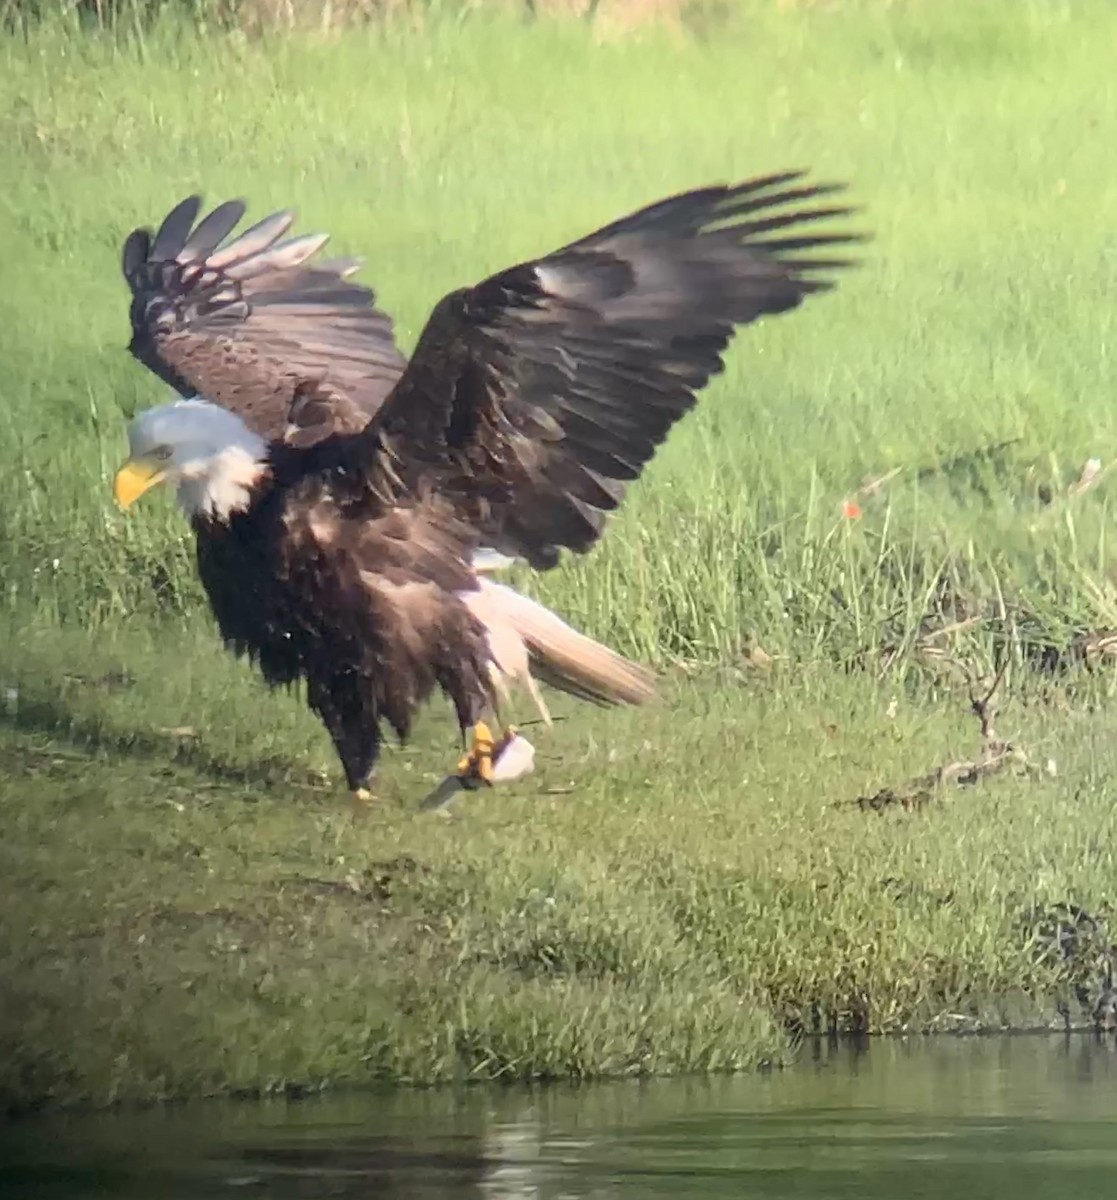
[[159, 933], [194, 914]]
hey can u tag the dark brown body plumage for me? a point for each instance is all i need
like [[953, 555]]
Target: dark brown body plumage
[[314, 581], [531, 401]]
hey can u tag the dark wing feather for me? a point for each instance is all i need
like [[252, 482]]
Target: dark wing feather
[[211, 231], [534, 397], [247, 323]]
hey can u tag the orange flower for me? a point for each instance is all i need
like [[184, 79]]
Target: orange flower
[[851, 510]]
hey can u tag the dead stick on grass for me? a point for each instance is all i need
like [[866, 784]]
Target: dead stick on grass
[[995, 755]]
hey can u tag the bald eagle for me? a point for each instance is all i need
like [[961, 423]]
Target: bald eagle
[[348, 504]]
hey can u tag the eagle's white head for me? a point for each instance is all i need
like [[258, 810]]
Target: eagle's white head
[[207, 451]]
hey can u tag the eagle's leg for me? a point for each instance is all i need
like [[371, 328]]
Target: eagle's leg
[[477, 765], [476, 768], [476, 693], [480, 712], [347, 710], [483, 764]]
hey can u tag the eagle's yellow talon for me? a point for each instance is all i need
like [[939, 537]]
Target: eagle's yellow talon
[[478, 763]]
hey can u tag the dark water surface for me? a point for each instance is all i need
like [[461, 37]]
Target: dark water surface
[[997, 1118]]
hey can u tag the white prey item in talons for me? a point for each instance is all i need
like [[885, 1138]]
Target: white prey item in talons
[[514, 758]]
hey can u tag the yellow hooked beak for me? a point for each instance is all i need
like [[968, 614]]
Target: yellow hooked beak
[[136, 477]]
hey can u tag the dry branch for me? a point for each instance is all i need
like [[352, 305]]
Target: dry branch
[[995, 755]]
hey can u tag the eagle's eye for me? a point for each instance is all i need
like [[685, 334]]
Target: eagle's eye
[[162, 453]]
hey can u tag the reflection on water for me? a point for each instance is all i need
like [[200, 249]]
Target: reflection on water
[[969, 1119]]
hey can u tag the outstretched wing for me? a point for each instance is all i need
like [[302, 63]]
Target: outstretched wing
[[245, 323], [533, 398]]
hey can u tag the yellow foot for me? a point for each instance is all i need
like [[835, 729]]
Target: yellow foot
[[477, 766], [362, 799], [476, 769], [484, 765]]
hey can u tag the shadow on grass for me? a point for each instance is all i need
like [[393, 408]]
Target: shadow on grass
[[54, 718]]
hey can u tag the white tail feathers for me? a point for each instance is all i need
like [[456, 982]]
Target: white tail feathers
[[528, 642]]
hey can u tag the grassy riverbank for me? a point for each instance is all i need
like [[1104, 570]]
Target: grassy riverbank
[[188, 906], [673, 891]]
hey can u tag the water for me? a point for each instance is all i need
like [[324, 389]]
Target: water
[[969, 1119]]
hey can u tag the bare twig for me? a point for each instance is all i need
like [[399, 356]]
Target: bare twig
[[995, 755], [984, 708]]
